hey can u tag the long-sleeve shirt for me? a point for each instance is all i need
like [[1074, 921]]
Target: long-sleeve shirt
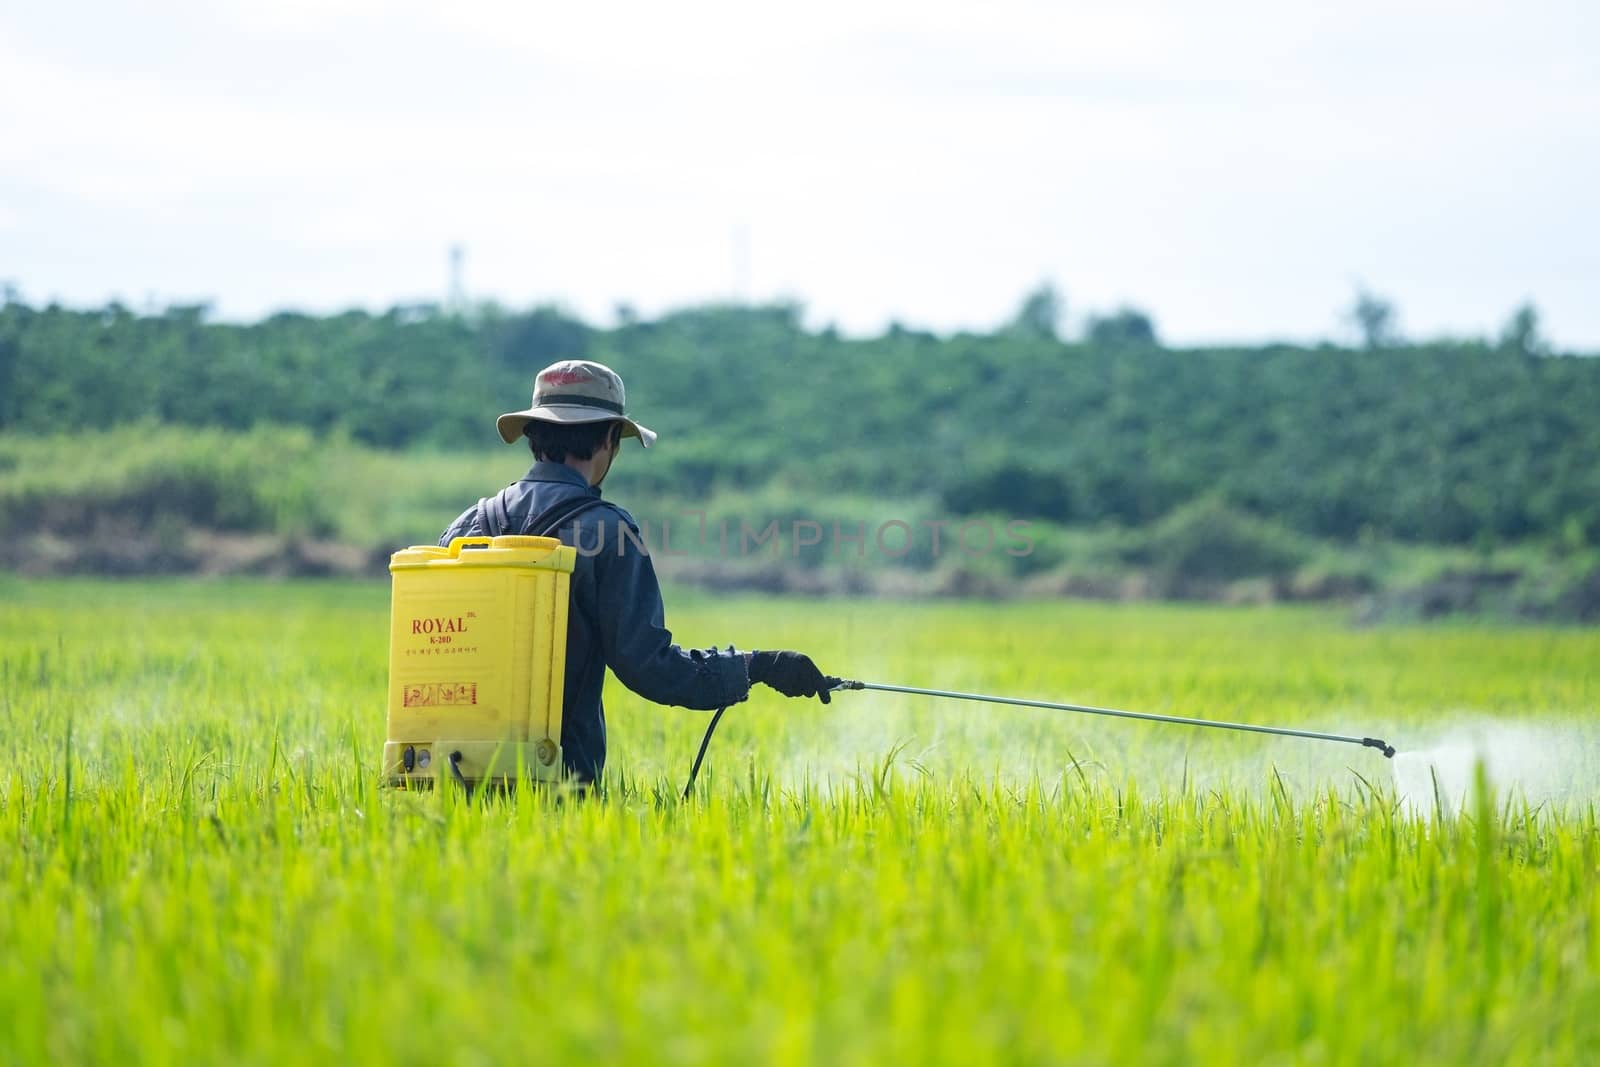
[[616, 618]]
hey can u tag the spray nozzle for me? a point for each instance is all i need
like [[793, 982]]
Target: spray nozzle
[[1379, 744]]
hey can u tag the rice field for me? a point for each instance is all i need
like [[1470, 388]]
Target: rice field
[[197, 864]]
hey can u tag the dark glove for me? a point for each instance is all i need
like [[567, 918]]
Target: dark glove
[[791, 673]]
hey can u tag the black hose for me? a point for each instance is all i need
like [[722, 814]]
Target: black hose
[[700, 756], [455, 771]]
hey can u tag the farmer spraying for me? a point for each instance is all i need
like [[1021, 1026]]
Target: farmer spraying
[[575, 428], [500, 635]]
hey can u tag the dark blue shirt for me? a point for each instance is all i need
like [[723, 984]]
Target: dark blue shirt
[[616, 618]]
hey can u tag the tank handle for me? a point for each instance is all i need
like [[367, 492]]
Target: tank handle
[[458, 543]]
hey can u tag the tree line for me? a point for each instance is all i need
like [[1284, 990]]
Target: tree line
[[1450, 442]]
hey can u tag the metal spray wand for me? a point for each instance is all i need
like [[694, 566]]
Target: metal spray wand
[[1284, 731]]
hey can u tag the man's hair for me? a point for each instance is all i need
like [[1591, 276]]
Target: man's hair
[[555, 442]]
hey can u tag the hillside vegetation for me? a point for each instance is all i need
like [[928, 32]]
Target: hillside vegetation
[[1448, 443], [136, 443]]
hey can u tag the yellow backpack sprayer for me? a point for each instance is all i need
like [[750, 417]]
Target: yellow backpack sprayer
[[477, 660]]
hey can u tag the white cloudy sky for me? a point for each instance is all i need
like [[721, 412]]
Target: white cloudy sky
[[1235, 168]]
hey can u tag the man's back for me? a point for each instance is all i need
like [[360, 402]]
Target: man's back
[[616, 618], [575, 426]]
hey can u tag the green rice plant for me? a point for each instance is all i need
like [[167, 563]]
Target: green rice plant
[[197, 862]]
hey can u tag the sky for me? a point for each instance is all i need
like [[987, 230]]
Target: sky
[[1237, 170]]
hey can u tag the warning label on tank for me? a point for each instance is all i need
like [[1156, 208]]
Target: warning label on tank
[[441, 694]]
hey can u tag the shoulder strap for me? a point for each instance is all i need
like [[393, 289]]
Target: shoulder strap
[[551, 521], [494, 521], [492, 517]]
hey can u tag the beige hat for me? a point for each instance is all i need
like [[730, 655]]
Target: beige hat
[[571, 392]]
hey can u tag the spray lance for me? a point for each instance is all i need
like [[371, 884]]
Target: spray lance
[[842, 684]]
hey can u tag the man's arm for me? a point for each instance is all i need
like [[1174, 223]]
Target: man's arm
[[635, 641]]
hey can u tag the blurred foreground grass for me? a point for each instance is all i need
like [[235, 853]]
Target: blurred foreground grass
[[195, 863]]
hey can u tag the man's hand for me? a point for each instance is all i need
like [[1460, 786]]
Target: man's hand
[[791, 673]]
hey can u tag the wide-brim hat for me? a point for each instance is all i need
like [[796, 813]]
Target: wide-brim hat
[[571, 392]]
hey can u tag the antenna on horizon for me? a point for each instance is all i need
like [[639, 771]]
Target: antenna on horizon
[[741, 262], [456, 300]]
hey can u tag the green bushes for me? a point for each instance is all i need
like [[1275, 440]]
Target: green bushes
[[149, 498], [138, 478], [1437, 444], [1206, 541]]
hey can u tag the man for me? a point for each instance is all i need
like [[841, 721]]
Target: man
[[575, 428]]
